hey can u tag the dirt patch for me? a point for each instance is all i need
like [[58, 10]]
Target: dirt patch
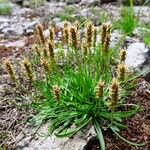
[[14, 110], [5, 52]]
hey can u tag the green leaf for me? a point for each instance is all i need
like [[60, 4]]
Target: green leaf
[[66, 125], [81, 119], [125, 114], [120, 114], [125, 140], [61, 118], [100, 135], [119, 124], [71, 132]]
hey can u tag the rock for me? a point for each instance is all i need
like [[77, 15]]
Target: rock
[[30, 27], [9, 31], [140, 30], [3, 25], [56, 20], [53, 143], [143, 13], [19, 43], [29, 31], [116, 36], [136, 55], [129, 40], [54, 8], [33, 3], [60, 25], [72, 2], [90, 3]]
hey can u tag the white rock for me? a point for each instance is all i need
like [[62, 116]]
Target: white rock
[[53, 143], [90, 2], [4, 25], [29, 27], [115, 37], [19, 43], [56, 20], [140, 30], [136, 55], [9, 31]]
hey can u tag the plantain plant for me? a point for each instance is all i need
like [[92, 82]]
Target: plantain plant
[[83, 82]]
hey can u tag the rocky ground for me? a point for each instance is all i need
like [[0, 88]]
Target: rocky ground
[[16, 39]]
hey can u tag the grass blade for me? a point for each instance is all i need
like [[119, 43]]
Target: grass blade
[[100, 135], [73, 131], [125, 140]]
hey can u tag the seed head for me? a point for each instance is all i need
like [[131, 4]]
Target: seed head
[[57, 92], [66, 33], [123, 55], [77, 25], [66, 24], [28, 70], [105, 39], [104, 33], [39, 29], [99, 89], [51, 49], [74, 37], [89, 34], [45, 52], [10, 70], [114, 93], [84, 47], [52, 34], [121, 72], [107, 43], [94, 36], [45, 65], [37, 50]]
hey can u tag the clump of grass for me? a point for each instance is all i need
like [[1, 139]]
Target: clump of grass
[[5, 8], [128, 21], [147, 40], [70, 14], [67, 14], [100, 16], [81, 86], [146, 34]]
